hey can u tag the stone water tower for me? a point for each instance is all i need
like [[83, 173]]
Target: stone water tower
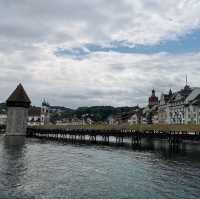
[[18, 104]]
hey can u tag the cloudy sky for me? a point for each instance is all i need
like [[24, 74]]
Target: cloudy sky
[[98, 52]]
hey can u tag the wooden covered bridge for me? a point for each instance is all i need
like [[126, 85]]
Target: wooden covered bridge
[[175, 134]]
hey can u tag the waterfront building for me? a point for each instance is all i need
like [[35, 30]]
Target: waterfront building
[[17, 105], [45, 113], [3, 118], [155, 119], [177, 108], [150, 112], [181, 107], [192, 107], [130, 115], [135, 117], [110, 119], [39, 115], [163, 108], [34, 116], [86, 119], [153, 99]]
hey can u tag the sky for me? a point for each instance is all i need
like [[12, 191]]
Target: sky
[[98, 52]]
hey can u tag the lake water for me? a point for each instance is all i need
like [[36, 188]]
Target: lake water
[[31, 168]]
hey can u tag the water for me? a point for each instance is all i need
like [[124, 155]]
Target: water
[[34, 169]]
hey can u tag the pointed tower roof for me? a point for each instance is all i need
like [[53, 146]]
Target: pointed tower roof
[[170, 92], [19, 98]]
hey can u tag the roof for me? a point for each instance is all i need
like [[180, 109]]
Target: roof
[[19, 98], [153, 99], [34, 111], [166, 97], [196, 101], [45, 103], [127, 114], [193, 95], [181, 95]]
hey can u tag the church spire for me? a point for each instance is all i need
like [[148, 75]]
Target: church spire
[[153, 92], [186, 81], [170, 92], [187, 87]]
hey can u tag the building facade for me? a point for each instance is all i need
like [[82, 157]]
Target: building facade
[[39, 115], [34, 116], [3, 119], [135, 117], [181, 107], [163, 108], [45, 113], [150, 112], [153, 99]]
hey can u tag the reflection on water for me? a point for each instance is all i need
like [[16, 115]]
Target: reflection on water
[[12, 165], [32, 168]]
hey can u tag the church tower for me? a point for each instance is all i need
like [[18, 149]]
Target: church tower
[[45, 113], [18, 104], [153, 100]]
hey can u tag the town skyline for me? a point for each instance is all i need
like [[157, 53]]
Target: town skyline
[[98, 52], [174, 107], [158, 94]]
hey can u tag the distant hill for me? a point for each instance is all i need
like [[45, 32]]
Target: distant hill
[[62, 108], [96, 113]]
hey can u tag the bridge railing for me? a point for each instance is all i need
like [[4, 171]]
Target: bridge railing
[[139, 127]]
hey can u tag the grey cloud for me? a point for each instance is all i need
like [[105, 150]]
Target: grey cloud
[[101, 20], [31, 32], [118, 67]]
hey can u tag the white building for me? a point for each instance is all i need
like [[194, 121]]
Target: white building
[[34, 116], [135, 118], [45, 113], [181, 107], [155, 119], [3, 119], [39, 115], [192, 107], [110, 120], [163, 108]]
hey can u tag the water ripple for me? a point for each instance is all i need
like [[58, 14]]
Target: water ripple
[[35, 169]]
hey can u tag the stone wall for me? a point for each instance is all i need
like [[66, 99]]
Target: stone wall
[[17, 121]]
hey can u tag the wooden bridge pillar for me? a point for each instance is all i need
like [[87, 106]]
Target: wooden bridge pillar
[[136, 138], [119, 140], [105, 139], [174, 138]]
